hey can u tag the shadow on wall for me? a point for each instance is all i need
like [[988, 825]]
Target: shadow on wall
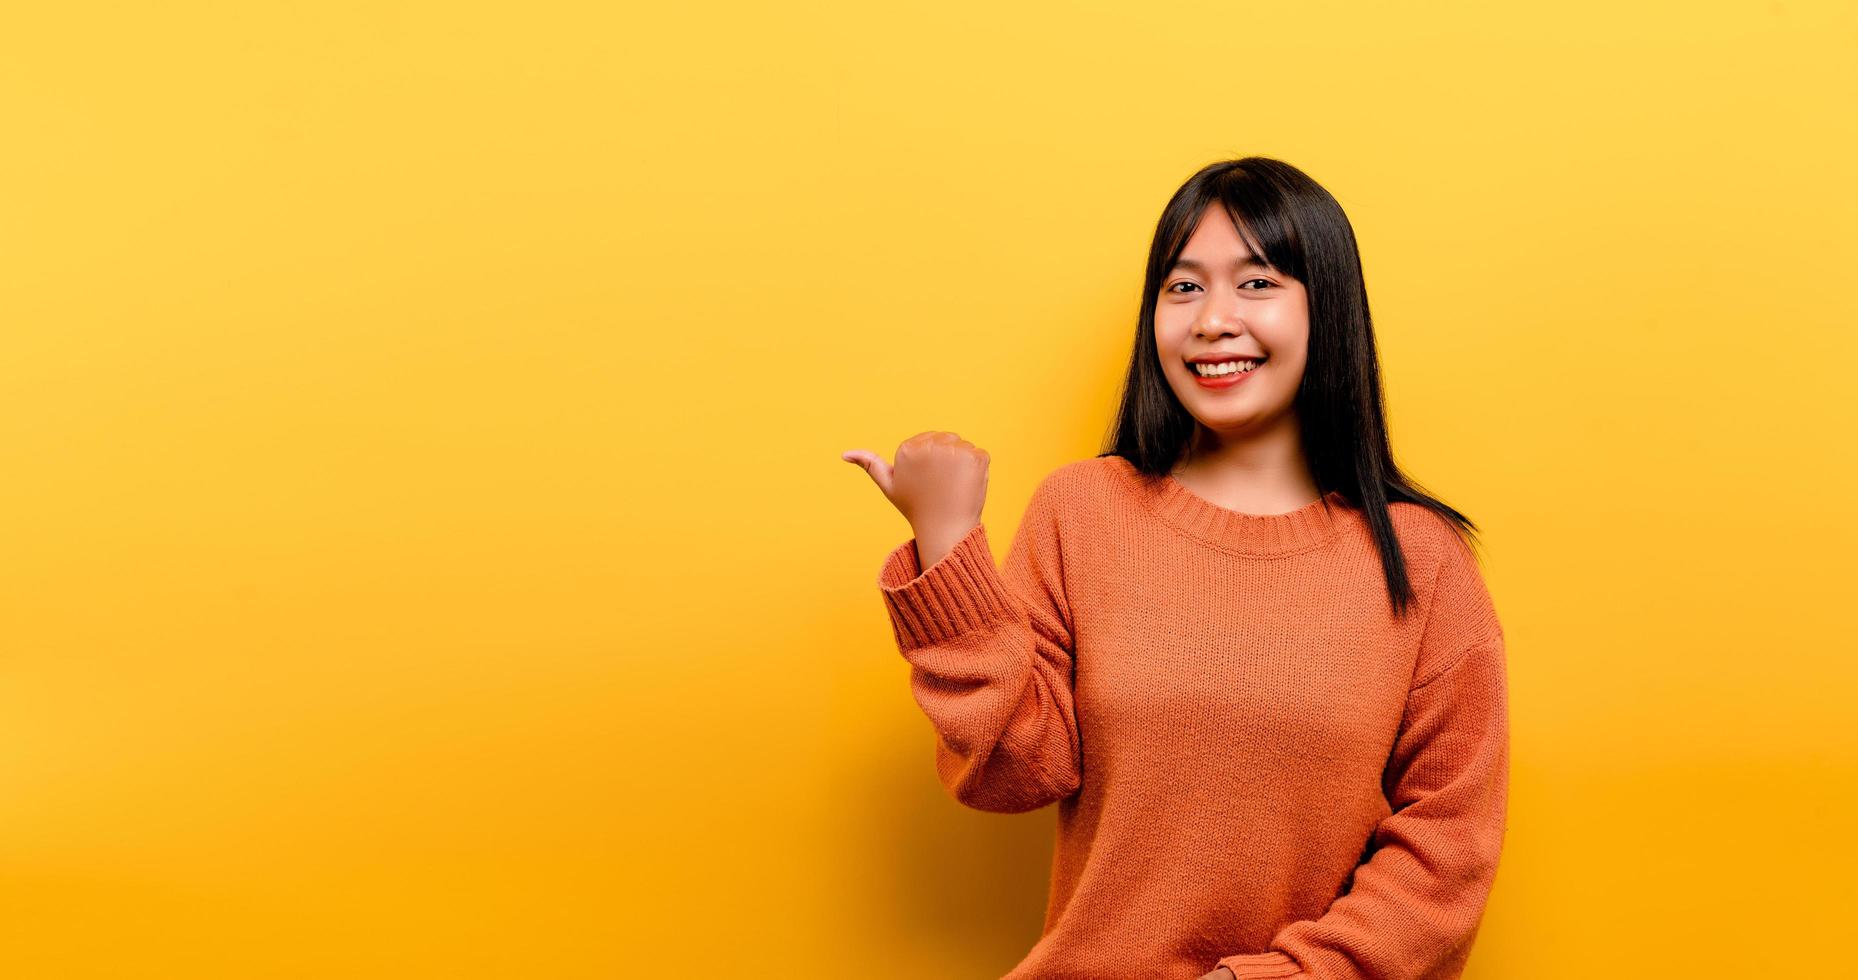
[[936, 883]]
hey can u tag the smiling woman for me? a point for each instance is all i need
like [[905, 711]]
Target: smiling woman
[[1252, 260], [1272, 754]]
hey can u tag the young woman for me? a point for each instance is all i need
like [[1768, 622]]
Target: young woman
[[1255, 666]]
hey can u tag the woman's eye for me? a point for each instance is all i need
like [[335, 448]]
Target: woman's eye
[[1195, 285]]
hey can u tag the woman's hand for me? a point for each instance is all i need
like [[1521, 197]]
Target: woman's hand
[[938, 484], [1219, 973]]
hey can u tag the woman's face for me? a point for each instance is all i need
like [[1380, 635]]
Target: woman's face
[[1220, 300]]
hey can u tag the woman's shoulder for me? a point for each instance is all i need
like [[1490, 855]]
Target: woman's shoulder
[[1448, 576], [1419, 526], [1085, 479], [1428, 539], [1080, 490], [1437, 550]]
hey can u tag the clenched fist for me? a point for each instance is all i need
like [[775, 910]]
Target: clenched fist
[[938, 483]]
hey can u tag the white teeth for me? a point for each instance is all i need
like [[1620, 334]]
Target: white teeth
[[1223, 367]]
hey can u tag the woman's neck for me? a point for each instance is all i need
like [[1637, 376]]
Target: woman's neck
[[1262, 473]]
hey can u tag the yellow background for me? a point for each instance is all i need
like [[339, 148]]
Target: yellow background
[[427, 552]]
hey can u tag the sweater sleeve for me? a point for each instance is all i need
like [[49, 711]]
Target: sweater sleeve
[[990, 654], [1413, 908]]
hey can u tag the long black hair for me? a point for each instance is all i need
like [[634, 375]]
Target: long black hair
[[1300, 229]]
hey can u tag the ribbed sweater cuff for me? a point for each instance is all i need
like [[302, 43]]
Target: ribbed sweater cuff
[[1257, 966], [961, 592]]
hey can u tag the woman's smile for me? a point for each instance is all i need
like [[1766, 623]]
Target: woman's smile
[[1226, 374]]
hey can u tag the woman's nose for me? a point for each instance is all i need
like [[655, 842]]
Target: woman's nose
[[1219, 316], [1219, 325]]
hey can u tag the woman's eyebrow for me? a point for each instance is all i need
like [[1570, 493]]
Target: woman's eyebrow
[[1248, 260]]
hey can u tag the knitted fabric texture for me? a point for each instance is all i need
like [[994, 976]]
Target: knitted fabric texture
[[1256, 764]]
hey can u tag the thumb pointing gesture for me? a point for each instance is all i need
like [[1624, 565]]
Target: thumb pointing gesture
[[873, 464], [939, 481]]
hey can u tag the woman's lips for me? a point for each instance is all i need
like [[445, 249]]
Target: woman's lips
[[1224, 380]]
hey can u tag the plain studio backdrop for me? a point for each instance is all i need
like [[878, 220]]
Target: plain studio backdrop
[[427, 552]]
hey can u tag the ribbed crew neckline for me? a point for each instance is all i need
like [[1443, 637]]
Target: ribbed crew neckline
[[1260, 535]]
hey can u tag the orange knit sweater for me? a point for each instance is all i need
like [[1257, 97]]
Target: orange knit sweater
[[1256, 765]]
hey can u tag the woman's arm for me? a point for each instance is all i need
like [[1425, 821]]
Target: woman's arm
[[991, 658], [1413, 908]]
